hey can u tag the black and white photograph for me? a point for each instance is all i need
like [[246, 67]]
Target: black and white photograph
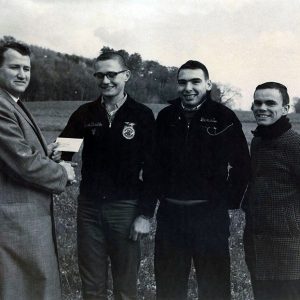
[[149, 150]]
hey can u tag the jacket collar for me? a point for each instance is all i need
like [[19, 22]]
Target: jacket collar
[[273, 131], [128, 103], [177, 103]]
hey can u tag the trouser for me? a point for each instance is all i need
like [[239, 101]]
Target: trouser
[[104, 233], [186, 233], [276, 289]]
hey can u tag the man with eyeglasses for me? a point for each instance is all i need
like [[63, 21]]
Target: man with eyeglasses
[[272, 201], [204, 159], [116, 197]]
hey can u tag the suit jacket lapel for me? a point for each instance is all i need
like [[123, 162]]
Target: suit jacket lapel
[[27, 116]]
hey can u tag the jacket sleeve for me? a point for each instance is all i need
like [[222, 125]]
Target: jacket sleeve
[[148, 196], [160, 154], [73, 129], [293, 158], [20, 159], [239, 165]]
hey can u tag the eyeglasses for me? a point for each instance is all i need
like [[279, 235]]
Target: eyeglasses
[[109, 75]]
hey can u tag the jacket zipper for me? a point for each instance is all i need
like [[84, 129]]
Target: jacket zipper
[[187, 133], [109, 118]]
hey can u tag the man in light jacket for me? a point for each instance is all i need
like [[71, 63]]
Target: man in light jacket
[[28, 177]]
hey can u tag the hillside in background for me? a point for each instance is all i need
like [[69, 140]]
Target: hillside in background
[[58, 76]]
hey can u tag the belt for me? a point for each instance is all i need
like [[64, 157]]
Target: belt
[[184, 202]]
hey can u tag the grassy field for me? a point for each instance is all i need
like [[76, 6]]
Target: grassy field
[[52, 117]]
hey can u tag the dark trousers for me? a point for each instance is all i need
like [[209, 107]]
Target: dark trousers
[[276, 289], [104, 233], [186, 233]]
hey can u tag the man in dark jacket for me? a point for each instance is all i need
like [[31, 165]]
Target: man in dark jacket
[[272, 201], [204, 159], [116, 197]]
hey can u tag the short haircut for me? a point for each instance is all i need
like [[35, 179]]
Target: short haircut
[[193, 65], [112, 55], [278, 86], [19, 47]]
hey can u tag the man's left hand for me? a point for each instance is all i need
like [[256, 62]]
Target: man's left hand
[[53, 153], [140, 226]]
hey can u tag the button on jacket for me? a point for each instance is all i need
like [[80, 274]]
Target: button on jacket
[[207, 159], [114, 154]]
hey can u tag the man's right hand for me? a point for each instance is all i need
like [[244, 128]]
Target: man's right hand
[[70, 170]]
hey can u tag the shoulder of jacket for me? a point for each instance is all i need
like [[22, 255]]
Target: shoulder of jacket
[[6, 104], [139, 108], [291, 138], [221, 107], [84, 108], [170, 107]]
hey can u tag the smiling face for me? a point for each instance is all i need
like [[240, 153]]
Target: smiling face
[[15, 72], [111, 87], [192, 86], [268, 107]]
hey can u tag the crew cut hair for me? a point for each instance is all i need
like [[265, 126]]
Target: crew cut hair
[[113, 55], [193, 65], [17, 46], [278, 86]]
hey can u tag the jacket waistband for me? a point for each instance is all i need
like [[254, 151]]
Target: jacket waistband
[[184, 202]]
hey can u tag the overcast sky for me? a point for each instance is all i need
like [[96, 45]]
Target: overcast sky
[[242, 42]]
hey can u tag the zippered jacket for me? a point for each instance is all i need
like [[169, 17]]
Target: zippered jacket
[[205, 160], [117, 158]]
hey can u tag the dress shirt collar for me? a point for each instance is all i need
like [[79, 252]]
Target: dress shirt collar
[[13, 97], [115, 106]]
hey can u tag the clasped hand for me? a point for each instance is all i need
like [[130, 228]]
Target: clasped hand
[[140, 227], [56, 156]]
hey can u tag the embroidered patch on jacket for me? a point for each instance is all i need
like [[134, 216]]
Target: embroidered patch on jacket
[[128, 130], [213, 120], [93, 124]]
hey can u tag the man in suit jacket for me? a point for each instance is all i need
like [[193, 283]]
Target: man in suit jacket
[[28, 177]]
